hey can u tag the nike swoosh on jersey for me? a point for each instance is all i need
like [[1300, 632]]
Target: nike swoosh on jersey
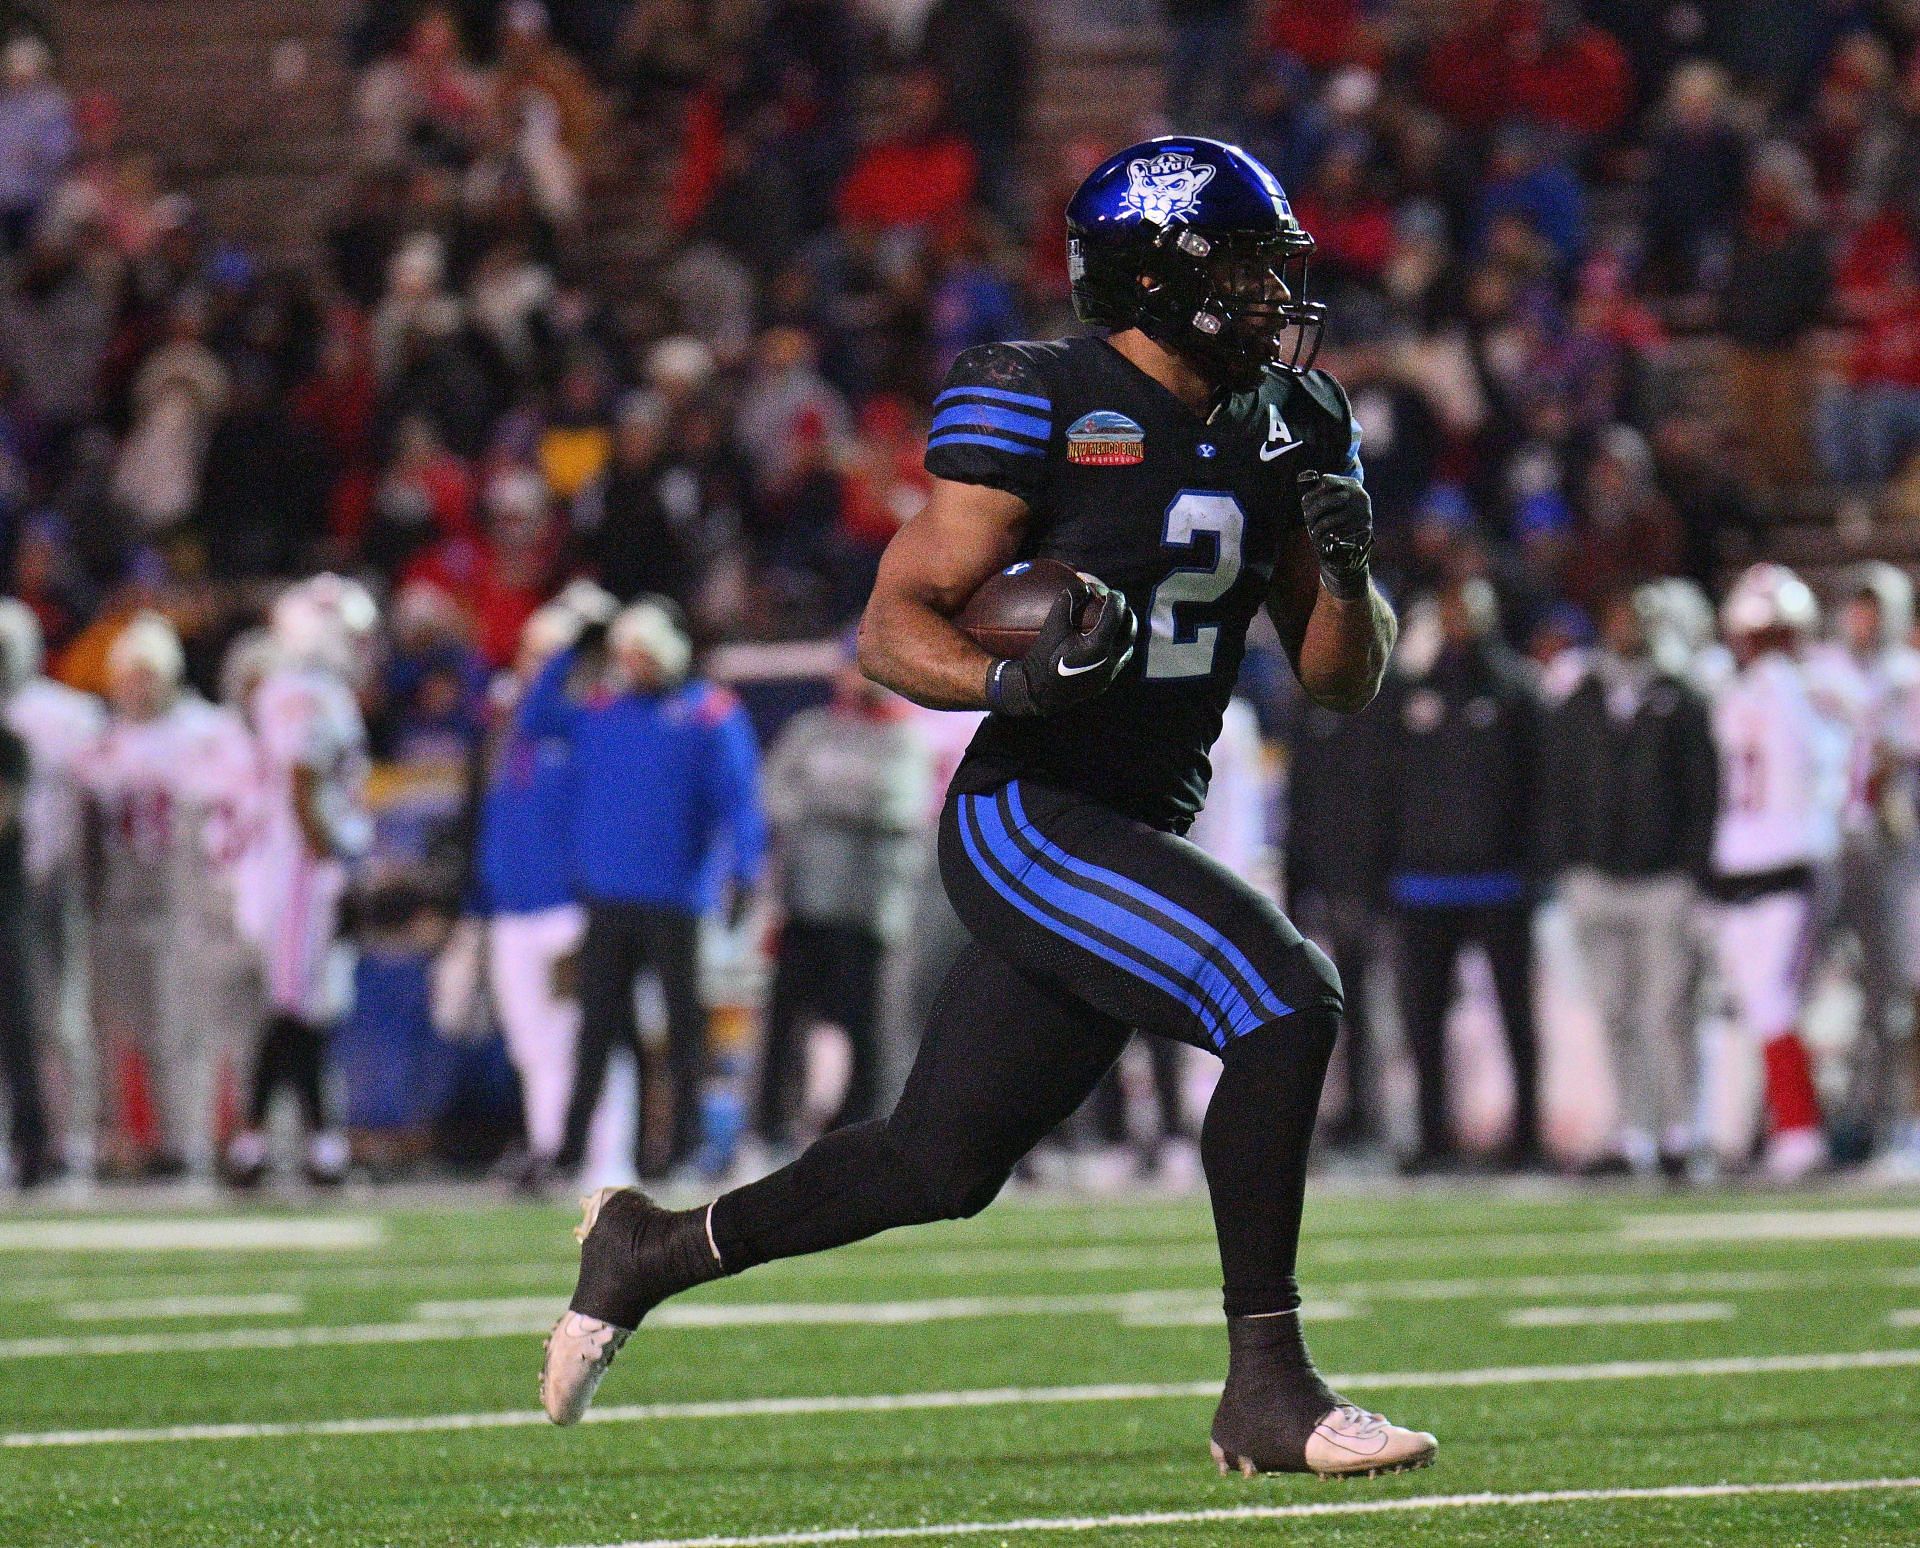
[[1066, 671], [1269, 451]]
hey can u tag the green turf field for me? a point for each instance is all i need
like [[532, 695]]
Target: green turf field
[[364, 1374]]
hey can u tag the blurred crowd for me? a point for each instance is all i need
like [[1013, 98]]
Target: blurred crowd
[[638, 304]]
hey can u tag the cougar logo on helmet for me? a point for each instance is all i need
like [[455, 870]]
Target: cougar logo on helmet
[[1163, 188]]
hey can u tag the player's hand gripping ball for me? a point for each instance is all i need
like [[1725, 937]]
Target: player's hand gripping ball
[[1339, 517], [1059, 636]]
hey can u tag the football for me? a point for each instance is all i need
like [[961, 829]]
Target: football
[[1005, 614]]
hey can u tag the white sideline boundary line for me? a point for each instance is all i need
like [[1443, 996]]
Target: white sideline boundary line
[[1153, 1518], [979, 1397]]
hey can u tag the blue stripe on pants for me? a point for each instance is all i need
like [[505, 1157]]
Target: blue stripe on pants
[[968, 811], [1227, 1013], [1274, 1006], [1135, 927]]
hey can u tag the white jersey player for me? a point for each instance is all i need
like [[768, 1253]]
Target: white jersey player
[[1783, 762], [1877, 675], [166, 781], [292, 877], [59, 726]]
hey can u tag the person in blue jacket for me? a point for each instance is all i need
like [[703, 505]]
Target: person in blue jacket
[[664, 819], [524, 888]]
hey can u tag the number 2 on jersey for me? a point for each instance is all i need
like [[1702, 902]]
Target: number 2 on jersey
[[1194, 513]]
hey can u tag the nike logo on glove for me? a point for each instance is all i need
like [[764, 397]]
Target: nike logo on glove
[[1066, 671]]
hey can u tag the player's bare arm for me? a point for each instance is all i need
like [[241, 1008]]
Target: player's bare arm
[[1337, 628], [908, 640]]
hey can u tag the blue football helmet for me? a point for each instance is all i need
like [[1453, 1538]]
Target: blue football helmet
[[1193, 242]]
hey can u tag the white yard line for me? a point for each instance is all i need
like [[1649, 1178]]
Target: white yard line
[[1905, 1317], [1232, 1513], [1126, 1305], [67, 1346], [163, 1307], [983, 1397], [1775, 1225], [1626, 1314], [209, 1234]]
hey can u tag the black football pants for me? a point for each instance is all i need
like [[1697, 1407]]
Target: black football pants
[[1086, 925]]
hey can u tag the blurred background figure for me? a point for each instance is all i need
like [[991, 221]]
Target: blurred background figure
[[1627, 803], [153, 780], [846, 792], [665, 818], [524, 877], [1456, 792], [292, 877], [1783, 779], [59, 728], [1333, 894], [1870, 669], [27, 1133]]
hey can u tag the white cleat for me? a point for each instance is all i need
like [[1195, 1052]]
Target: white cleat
[[579, 1352], [1350, 1443]]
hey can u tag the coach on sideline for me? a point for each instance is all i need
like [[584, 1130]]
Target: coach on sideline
[[665, 805]]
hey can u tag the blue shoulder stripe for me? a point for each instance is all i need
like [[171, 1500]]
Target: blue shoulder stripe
[[996, 395], [997, 442], [980, 416]]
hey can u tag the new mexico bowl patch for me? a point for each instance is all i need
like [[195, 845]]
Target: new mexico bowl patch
[[1104, 439]]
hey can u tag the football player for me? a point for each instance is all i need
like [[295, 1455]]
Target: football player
[[290, 882], [163, 781], [1783, 763], [1192, 459], [60, 726]]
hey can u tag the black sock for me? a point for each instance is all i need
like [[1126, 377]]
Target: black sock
[[846, 1186], [1254, 1145]]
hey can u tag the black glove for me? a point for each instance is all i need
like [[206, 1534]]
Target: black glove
[[1339, 515], [1066, 665]]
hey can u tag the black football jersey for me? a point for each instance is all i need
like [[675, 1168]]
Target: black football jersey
[[1184, 515]]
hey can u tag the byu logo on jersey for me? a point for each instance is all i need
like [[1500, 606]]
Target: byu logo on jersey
[[1164, 188]]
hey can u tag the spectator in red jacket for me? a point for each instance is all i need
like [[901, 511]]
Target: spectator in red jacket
[[1532, 59], [920, 174]]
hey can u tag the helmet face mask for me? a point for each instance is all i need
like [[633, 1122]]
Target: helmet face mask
[[1213, 265]]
